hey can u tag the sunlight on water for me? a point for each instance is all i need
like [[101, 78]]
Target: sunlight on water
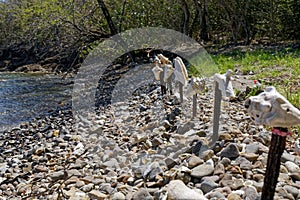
[[25, 96]]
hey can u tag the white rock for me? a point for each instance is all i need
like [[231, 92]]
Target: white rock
[[177, 190], [291, 167]]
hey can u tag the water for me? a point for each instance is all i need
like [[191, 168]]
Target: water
[[25, 96]]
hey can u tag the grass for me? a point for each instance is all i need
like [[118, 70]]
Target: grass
[[279, 67]]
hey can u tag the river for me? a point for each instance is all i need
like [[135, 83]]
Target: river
[[26, 96]]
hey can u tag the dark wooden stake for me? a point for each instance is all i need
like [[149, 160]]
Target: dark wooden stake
[[194, 105], [217, 113], [273, 165], [194, 102], [162, 83], [170, 85], [181, 92]]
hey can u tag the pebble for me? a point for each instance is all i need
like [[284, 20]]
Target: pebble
[[142, 193], [202, 170], [96, 194], [129, 152], [207, 186], [233, 196], [252, 148], [219, 169], [57, 176], [177, 190], [194, 161], [118, 196], [292, 190], [231, 151], [292, 167]]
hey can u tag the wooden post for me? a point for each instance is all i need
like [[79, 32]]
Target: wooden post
[[217, 113], [170, 85], [162, 83], [273, 165], [194, 101], [181, 92], [194, 105]]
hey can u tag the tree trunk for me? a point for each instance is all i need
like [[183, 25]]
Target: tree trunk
[[204, 26], [186, 17], [197, 18], [105, 11], [122, 15]]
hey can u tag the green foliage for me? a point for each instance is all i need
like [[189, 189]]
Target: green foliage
[[279, 68], [81, 25]]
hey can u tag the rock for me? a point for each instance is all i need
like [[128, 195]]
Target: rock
[[258, 185], [295, 176], [39, 151], [87, 188], [227, 180], [95, 194], [112, 163], [74, 172], [231, 151], [78, 196], [206, 155], [292, 190], [250, 156], [264, 137], [252, 148], [245, 164], [258, 177], [177, 190], [185, 128], [152, 170], [237, 184], [207, 186], [215, 195], [79, 184], [55, 176], [170, 162], [226, 161], [225, 136], [157, 141], [40, 168], [233, 196], [202, 170], [79, 149], [219, 169], [106, 187], [194, 161], [283, 193], [142, 193], [118, 196], [211, 178], [291, 167], [250, 193], [71, 180], [283, 177], [287, 157]]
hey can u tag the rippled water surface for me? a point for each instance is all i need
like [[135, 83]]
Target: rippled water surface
[[25, 96]]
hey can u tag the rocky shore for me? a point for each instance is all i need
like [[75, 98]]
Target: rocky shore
[[147, 148]]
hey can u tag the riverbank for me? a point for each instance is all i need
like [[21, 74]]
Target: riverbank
[[130, 151]]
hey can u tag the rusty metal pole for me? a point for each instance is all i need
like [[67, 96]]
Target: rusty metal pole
[[273, 165], [272, 109]]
